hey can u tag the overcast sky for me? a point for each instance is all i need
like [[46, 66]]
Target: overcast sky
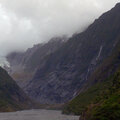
[[27, 22]]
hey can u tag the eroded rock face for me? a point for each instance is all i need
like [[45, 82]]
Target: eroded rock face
[[24, 64], [65, 72]]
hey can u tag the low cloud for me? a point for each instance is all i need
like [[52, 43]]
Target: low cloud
[[27, 22]]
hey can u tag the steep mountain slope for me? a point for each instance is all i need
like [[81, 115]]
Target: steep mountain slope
[[66, 71], [100, 81], [107, 104], [11, 96], [23, 65]]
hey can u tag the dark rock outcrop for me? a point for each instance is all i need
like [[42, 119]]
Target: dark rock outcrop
[[24, 64], [12, 98]]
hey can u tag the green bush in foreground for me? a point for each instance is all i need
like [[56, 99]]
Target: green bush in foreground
[[107, 108]]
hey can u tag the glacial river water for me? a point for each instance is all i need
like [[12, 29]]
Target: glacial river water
[[37, 115]]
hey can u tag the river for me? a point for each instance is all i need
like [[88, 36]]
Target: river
[[37, 115]]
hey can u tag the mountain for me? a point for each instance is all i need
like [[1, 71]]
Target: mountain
[[106, 105], [56, 72], [100, 83], [24, 64], [12, 98], [65, 72]]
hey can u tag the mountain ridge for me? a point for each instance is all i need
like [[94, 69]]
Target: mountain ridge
[[67, 69], [62, 74], [23, 65]]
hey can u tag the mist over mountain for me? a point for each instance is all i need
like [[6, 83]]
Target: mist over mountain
[[56, 71], [58, 54], [24, 64], [67, 70], [27, 22], [4, 62]]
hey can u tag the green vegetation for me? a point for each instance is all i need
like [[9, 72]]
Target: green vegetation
[[79, 104], [108, 106], [12, 98], [100, 102]]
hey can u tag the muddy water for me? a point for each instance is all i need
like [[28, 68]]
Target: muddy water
[[36, 115]]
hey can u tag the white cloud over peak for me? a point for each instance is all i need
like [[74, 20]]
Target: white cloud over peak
[[27, 22]]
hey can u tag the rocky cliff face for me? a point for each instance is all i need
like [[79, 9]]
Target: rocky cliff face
[[106, 102], [23, 65], [97, 87], [64, 72]]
